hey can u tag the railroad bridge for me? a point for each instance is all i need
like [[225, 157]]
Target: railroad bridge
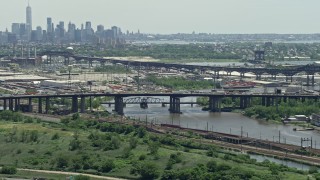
[[14, 102]]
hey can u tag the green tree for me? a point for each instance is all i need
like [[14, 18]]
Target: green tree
[[146, 170]]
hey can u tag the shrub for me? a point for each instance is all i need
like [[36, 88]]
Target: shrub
[[81, 177], [313, 170], [146, 170], [212, 166], [142, 157], [133, 142], [8, 170], [55, 136], [107, 166]]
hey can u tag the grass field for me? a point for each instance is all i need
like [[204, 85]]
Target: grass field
[[87, 146]]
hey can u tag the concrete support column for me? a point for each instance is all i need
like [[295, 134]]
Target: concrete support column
[[174, 105], [118, 106], [16, 104], [177, 105], [268, 101], [248, 102], [4, 104], [50, 59], [83, 104], [171, 104], [214, 104], [263, 101], [284, 99], [308, 80], [30, 105], [312, 80], [291, 78], [241, 103], [74, 104], [47, 105], [40, 105], [90, 63], [11, 104], [244, 102]]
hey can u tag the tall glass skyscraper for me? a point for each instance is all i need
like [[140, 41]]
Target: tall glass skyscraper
[[49, 25], [29, 21]]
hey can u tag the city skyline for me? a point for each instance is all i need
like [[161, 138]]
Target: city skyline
[[166, 17]]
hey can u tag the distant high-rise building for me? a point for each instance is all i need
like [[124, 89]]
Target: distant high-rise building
[[100, 28], [61, 25], [116, 31], [61, 29], [15, 28], [28, 21], [39, 33], [88, 25], [78, 35], [23, 29], [71, 31], [49, 25]]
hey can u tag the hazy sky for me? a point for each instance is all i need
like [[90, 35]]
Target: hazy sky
[[172, 16]]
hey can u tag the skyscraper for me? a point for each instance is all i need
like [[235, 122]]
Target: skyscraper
[[29, 21], [15, 28], [49, 25]]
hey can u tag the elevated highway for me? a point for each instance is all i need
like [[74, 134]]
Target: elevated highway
[[289, 72]]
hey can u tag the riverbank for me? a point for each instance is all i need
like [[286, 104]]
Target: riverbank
[[62, 146], [247, 147]]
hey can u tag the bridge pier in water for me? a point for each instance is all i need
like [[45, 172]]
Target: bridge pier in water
[[245, 102], [174, 105], [214, 104], [118, 105]]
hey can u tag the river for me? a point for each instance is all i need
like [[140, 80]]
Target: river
[[225, 122]]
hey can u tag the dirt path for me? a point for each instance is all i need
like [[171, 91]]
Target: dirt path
[[69, 173]]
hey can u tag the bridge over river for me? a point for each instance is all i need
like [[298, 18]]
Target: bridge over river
[[14, 102]]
